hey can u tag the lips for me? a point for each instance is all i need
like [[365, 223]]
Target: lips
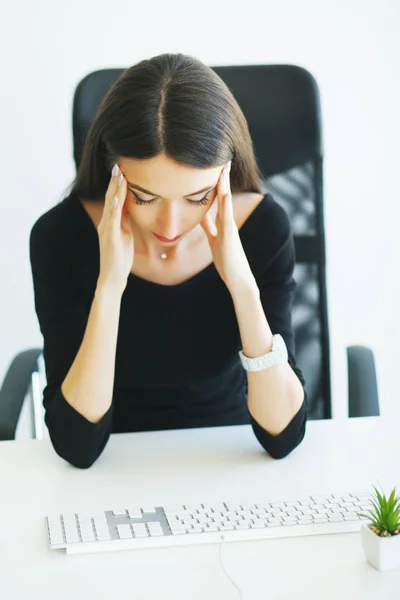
[[164, 239]]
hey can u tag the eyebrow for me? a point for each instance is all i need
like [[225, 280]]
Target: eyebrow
[[138, 187]]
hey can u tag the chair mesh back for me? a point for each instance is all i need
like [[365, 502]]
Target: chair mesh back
[[282, 108], [295, 191]]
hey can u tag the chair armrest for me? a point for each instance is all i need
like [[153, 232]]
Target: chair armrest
[[363, 388], [14, 389]]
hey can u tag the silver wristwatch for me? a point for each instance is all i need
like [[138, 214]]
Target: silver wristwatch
[[276, 356]]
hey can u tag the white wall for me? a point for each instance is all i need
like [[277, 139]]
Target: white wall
[[350, 46]]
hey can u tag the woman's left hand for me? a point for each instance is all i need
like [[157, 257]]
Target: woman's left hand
[[229, 257]]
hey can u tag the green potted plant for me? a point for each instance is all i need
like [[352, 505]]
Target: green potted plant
[[381, 534]]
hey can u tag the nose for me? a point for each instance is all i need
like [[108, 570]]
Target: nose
[[169, 222]]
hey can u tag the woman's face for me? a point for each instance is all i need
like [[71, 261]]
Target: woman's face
[[173, 204]]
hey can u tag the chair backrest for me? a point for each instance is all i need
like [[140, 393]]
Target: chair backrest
[[282, 107]]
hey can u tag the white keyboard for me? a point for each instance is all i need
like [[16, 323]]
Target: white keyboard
[[186, 524]]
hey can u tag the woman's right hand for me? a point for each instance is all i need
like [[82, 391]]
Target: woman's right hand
[[115, 236]]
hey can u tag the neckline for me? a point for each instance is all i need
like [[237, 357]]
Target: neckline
[[210, 268]]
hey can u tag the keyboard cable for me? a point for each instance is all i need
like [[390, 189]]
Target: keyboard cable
[[225, 571]]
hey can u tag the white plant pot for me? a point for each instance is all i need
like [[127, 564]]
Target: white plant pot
[[382, 552]]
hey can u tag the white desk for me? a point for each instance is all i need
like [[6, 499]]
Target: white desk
[[194, 465]]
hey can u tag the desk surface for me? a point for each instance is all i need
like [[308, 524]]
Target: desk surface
[[195, 465]]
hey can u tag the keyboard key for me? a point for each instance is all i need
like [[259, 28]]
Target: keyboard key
[[55, 530], [140, 533], [124, 531], [193, 508], [321, 498], [246, 513], [196, 529], [178, 531], [102, 536], [244, 522], [88, 536], [135, 513], [231, 514], [120, 511], [304, 521], [202, 522], [71, 537], [274, 511], [342, 497], [227, 527], [155, 531], [321, 519], [273, 522], [257, 525], [173, 509], [139, 529]]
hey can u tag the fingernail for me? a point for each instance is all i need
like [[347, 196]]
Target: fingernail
[[115, 171], [120, 180]]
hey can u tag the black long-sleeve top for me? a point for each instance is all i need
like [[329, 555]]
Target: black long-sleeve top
[[177, 363]]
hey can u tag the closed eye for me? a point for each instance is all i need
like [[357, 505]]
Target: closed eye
[[202, 202]]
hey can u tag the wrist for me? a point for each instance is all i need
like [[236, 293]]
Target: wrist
[[243, 289], [105, 291]]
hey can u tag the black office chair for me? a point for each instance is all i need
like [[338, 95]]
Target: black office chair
[[282, 107]]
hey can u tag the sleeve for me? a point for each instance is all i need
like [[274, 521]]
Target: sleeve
[[276, 284], [62, 314]]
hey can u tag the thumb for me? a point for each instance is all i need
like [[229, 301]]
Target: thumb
[[209, 227], [125, 221]]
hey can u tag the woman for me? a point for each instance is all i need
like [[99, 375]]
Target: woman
[[163, 289]]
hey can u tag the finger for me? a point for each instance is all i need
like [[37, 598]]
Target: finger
[[119, 199], [108, 209], [112, 188], [226, 196], [126, 221], [112, 191], [228, 205], [221, 191], [209, 227], [118, 190]]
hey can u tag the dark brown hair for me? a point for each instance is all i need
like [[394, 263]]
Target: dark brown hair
[[172, 104]]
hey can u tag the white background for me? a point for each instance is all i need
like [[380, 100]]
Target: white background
[[350, 46]]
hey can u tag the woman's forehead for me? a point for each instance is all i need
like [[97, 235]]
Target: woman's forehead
[[161, 176]]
